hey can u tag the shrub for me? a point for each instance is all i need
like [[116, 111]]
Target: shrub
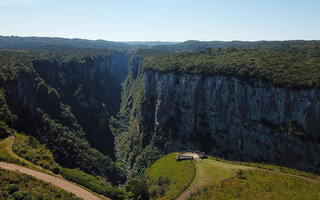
[[93, 183], [56, 170], [11, 188], [20, 195], [5, 131], [137, 190]]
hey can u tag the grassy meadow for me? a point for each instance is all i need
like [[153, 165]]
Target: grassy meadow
[[253, 184], [167, 178], [210, 171], [221, 179], [271, 167]]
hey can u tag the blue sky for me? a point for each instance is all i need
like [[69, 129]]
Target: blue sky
[[162, 20]]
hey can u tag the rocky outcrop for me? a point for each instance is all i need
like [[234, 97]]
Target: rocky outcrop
[[232, 118]]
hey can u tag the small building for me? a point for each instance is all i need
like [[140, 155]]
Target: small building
[[190, 155]]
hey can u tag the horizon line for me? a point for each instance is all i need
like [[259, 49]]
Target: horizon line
[[127, 41]]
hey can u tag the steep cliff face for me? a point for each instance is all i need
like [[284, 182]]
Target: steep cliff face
[[65, 102], [231, 118], [93, 91]]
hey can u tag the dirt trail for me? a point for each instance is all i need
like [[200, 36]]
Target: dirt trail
[[57, 181], [63, 184], [193, 188], [188, 192]]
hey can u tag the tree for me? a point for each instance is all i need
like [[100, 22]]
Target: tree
[[137, 190]]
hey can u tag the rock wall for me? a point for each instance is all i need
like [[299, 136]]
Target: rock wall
[[232, 118], [91, 89]]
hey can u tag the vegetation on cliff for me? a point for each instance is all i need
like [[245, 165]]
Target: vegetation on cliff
[[133, 144], [30, 149], [297, 68], [293, 65], [42, 110]]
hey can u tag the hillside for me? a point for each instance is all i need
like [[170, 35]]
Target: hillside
[[38, 43], [216, 179], [37, 161], [49, 43], [195, 45], [14, 185]]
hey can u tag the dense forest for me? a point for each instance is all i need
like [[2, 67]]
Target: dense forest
[[295, 67], [194, 45]]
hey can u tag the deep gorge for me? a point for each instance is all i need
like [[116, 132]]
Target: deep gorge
[[67, 103]]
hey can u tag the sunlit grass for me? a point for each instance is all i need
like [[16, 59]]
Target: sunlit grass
[[180, 174], [260, 185], [271, 167], [210, 171], [6, 153]]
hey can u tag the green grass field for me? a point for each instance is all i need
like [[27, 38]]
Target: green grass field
[[220, 179], [167, 178], [211, 171], [271, 167], [260, 185]]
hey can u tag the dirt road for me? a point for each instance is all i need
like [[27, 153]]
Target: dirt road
[[63, 184]]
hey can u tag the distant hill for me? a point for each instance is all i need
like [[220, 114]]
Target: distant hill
[[194, 45], [54, 43], [40, 43], [151, 43]]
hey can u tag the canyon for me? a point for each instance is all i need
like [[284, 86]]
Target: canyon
[[110, 100]]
